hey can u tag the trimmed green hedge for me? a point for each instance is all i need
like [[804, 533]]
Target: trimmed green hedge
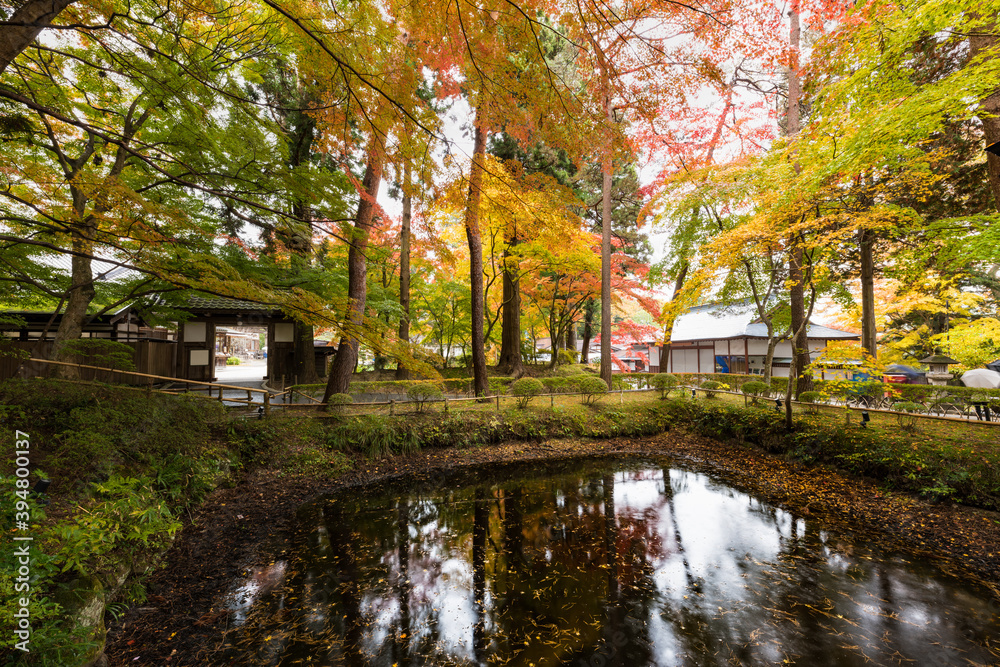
[[836, 390], [449, 385]]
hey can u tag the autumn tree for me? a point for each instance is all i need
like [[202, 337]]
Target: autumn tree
[[379, 96], [124, 151], [491, 54]]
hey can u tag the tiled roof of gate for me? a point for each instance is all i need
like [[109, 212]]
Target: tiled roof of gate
[[222, 303]]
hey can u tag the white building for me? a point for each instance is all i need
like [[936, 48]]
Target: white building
[[732, 339]]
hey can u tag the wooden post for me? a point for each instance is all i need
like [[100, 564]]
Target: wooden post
[[446, 404], [498, 402], [552, 401], [267, 403], [392, 407]]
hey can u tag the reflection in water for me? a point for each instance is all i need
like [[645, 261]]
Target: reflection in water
[[599, 565]]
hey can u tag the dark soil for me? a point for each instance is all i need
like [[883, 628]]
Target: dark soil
[[237, 528]]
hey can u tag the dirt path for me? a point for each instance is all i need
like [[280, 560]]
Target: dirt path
[[247, 525]]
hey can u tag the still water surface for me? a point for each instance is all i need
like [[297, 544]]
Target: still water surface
[[598, 563]]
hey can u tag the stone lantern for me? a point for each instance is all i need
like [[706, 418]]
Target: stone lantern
[[938, 374]]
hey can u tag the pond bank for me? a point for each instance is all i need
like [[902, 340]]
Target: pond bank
[[247, 525]]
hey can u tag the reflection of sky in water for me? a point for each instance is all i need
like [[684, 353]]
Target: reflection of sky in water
[[705, 575]]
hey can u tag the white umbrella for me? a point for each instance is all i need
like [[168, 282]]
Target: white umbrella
[[982, 378]]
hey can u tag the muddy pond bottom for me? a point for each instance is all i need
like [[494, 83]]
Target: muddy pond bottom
[[594, 563]]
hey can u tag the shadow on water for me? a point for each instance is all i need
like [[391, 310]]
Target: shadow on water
[[598, 563]]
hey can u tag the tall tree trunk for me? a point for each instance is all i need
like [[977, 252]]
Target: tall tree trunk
[[81, 293], [792, 117], [800, 333], [553, 338], [300, 242], [571, 338], [868, 342], [588, 330], [404, 272], [346, 358], [606, 245], [668, 328], [480, 381], [510, 362], [772, 343], [304, 367], [800, 347], [25, 25], [984, 38]]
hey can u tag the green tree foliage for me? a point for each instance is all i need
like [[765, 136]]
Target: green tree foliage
[[135, 142]]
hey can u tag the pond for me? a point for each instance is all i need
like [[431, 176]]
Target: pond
[[594, 563]]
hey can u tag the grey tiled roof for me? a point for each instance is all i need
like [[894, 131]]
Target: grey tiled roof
[[222, 304], [718, 322]]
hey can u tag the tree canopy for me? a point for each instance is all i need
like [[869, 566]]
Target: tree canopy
[[242, 149]]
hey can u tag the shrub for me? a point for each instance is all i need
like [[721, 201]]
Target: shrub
[[865, 393], [92, 430], [257, 441], [916, 393], [557, 385], [338, 401], [711, 387], [500, 384], [592, 388], [664, 382], [458, 385], [126, 514], [233, 361], [571, 370], [641, 379], [423, 392], [374, 435], [568, 356], [811, 398], [780, 385], [756, 389], [525, 389]]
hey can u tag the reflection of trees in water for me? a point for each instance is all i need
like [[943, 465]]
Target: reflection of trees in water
[[404, 635], [550, 571], [692, 623], [480, 525]]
